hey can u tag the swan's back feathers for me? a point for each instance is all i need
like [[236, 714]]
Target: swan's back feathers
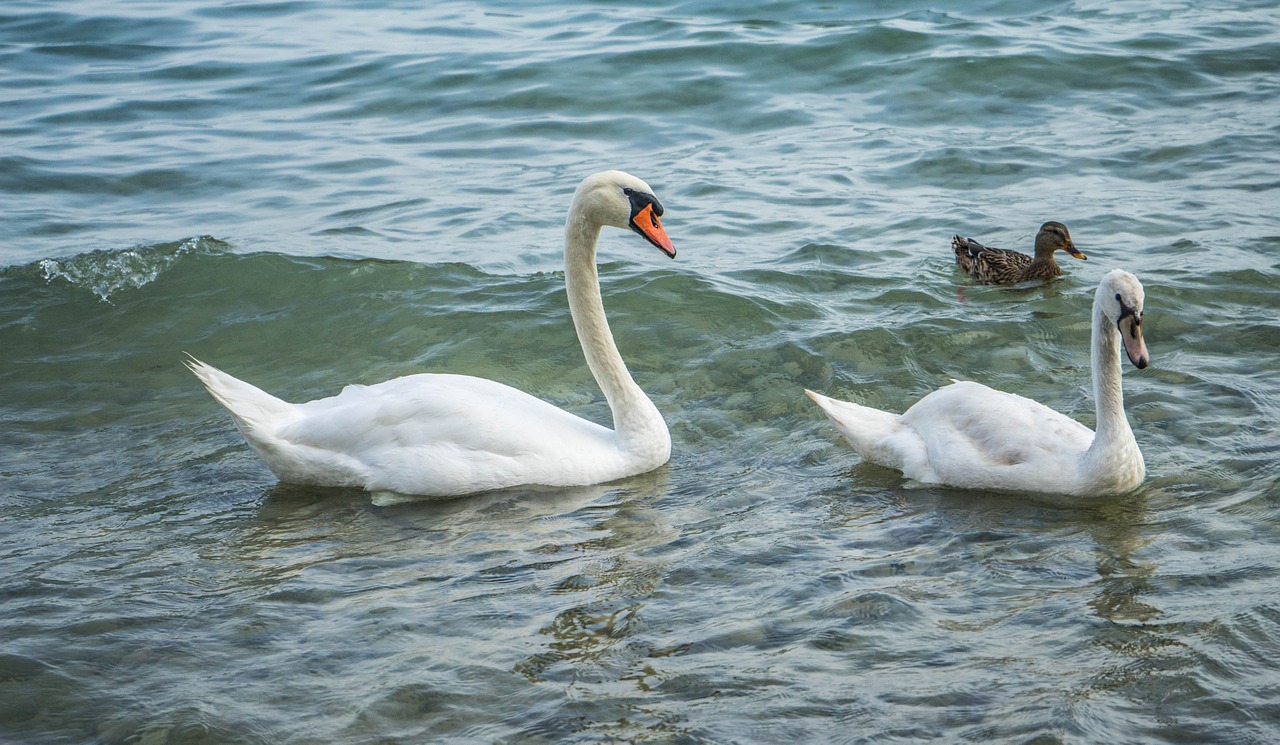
[[473, 414], [978, 437], [436, 434], [447, 435]]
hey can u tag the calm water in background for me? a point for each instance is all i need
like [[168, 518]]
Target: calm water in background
[[311, 194]]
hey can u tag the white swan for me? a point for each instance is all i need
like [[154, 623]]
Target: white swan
[[448, 435], [970, 436]]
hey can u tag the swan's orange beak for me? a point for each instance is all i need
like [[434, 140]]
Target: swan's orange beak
[[645, 222]]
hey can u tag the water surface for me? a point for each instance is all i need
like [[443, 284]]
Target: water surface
[[313, 194]]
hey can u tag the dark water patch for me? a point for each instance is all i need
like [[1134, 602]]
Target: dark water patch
[[87, 31], [259, 10]]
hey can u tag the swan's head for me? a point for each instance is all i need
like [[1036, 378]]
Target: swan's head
[[1054, 236], [1120, 297], [623, 201]]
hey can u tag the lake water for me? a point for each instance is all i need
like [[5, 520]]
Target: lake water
[[312, 194]]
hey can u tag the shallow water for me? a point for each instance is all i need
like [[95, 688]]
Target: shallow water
[[308, 195]]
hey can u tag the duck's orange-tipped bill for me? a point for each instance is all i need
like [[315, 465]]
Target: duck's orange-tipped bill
[[1076, 253], [646, 223]]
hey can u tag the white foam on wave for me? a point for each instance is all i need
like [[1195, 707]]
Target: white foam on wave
[[106, 273]]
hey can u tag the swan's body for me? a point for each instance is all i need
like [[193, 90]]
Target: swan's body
[[449, 435], [1001, 266], [973, 437]]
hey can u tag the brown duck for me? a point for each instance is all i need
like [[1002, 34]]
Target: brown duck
[[1000, 266]]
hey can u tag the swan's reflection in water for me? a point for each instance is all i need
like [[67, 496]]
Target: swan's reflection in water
[[418, 602]]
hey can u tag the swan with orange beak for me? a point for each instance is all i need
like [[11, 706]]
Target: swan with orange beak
[[443, 435]]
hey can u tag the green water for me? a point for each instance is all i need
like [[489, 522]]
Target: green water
[[310, 196]]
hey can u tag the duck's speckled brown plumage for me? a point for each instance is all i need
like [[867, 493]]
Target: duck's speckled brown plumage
[[999, 266]]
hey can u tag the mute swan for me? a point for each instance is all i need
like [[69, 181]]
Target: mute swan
[[448, 435], [1000, 266], [970, 436]]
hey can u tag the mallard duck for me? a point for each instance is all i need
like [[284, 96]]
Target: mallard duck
[[969, 436], [1000, 266], [447, 435]]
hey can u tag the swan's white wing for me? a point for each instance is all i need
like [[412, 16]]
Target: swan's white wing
[[448, 434], [977, 437]]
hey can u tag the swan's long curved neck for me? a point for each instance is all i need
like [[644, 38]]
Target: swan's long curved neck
[[636, 420], [1112, 426]]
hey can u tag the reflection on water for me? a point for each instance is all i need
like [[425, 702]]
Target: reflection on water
[[313, 556], [616, 583], [1123, 530]]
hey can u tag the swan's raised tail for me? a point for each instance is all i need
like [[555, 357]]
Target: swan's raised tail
[[865, 428], [252, 408]]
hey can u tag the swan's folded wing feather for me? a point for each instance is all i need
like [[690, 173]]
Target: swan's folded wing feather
[[464, 412], [974, 433], [448, 434]]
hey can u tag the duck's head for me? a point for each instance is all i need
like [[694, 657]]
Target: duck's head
[[1120, 296], [623, 201], [1054, 236]]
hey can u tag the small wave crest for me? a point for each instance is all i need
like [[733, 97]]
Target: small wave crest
[[107, 272]]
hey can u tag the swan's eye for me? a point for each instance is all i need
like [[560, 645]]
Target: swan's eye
[[629, 191]]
